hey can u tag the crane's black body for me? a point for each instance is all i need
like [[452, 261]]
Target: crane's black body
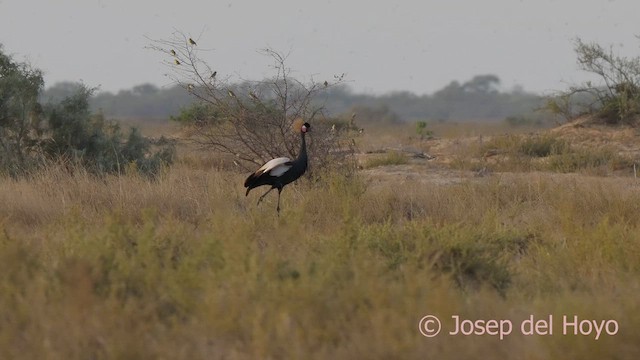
[[281, 174]]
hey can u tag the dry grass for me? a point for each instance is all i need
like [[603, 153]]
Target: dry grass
[[187, 267], [389, 158], [541, 152]]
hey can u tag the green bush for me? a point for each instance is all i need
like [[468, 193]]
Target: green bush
[[391, 158], [21, 125], [530, 146], [542, 146], [97, 145], [422, 131], [615, 100], [67, 131], [199, 114]]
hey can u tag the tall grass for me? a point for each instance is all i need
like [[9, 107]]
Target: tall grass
[[542, 152], [187, 267]]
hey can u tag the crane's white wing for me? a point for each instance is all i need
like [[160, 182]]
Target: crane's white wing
[[275, 167]]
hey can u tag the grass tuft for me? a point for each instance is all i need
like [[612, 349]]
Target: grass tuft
[[390, 158]]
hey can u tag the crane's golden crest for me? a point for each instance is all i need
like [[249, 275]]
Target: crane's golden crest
[[297, 124]]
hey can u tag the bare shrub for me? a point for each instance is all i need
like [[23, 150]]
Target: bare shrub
[[252, 120]]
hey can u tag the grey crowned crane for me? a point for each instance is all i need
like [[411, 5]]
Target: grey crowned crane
[[280, 171]]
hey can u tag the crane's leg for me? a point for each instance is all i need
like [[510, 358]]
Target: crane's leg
[[278, 208], [265, 194]]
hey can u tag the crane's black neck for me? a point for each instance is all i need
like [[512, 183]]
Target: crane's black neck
[[302, 155]]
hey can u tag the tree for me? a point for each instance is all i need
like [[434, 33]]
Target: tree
[[487, 84], [20, 115], [145, 90], [79, 137], [614, 99], [252, 120], [65, 131], [59, 91]]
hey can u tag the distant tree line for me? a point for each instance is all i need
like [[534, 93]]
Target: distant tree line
[[142, 101], [478, 98]]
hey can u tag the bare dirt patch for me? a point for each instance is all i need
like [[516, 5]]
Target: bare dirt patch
[[438, 165], [584, 132]]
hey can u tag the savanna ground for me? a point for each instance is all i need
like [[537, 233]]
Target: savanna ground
[[494, 226]]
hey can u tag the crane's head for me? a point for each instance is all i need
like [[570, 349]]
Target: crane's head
[[300, 125]]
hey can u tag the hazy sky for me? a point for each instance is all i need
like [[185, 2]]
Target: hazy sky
[[382, 46]]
